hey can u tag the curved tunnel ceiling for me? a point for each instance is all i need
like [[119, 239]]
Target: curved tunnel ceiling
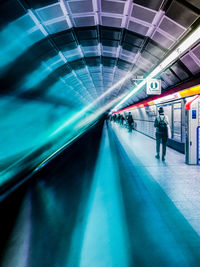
[[70, 52], [62, 63]]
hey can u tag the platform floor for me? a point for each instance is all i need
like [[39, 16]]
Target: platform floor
[[142, 211], [115, 205], [181, 182]]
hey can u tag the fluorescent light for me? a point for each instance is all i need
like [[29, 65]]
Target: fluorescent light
[[182, 48]]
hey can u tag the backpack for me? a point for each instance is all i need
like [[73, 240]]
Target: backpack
[[162, 125]]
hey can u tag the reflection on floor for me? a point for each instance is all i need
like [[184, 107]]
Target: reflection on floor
[[124, 209]]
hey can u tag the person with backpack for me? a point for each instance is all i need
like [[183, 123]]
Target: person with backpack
[[161, 123]]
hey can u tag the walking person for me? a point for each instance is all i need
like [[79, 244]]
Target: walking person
[[161, 123], [130, 122]]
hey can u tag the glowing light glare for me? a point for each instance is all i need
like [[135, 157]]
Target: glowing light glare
[[89, 107], [120, 82], [134, 91], [37, 76], [12, 47], [89, 118], [182, 48], [95, 115]]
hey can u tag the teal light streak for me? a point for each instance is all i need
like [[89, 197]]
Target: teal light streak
[[47, 67], [16, 38], [105, 240], [37, 76]]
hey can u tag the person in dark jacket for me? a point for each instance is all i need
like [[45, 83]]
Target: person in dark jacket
[[122, 120], [130, 122], [161, 123]]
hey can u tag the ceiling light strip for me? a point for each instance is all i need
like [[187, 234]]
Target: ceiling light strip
[[180, 50]]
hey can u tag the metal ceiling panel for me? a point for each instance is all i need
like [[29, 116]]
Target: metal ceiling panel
[[106, 61], [138, 71], [91, 42], [180, 72], [166, 79], [80, 6], [190, 63], [127, 53], [111, 49], [111, 21], [110, 33], [125, 58], [84, 21], [142, 13], [152, 4], [93, 61], [130, 47], [63, 70], [172, 77], [195, 3], [57, 26], [112, 43], [138, 28], [164, 85], [90, 51], [162, 39], [107, 54], [85, 34], [78, 64], [133, 38], [63, 38], [196, 51], [171, 27], [124, 65], [145, 64], [155, 50], [149, 57], [49, 12], [68, 46], [181, 14], [112, 6]]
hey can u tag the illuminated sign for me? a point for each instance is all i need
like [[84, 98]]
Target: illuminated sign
[[153, 87]]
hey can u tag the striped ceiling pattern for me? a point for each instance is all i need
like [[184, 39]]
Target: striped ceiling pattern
[[71, 52]]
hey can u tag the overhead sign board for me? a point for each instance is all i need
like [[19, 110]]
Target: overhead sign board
[[153, 87]]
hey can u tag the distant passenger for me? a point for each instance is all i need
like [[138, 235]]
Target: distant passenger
[[161, 123], [122, 120], [118, 118], [130, 121], [115, 117]]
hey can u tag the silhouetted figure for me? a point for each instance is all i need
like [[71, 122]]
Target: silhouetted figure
[[118, 118], [122, 120], [130, 121], [115, 117], [161, 123]]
